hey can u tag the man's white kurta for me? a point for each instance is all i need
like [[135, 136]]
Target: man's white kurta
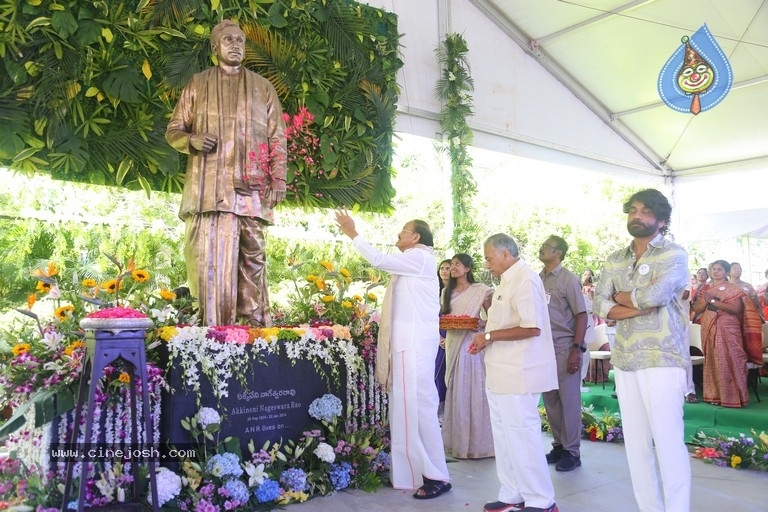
[[417, 444]]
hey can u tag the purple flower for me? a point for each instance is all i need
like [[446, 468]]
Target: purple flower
[[340, 475], [237, 490], [261, 457], [294, 479], [206, 506]]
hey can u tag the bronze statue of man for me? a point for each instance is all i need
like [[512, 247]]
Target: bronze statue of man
[[229, 120]]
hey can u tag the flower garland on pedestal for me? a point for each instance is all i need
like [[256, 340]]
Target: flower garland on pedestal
[[219, 352]]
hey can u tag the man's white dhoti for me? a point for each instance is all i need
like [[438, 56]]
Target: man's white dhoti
[[417, 443]]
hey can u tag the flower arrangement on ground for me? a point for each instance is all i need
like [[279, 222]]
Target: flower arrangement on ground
[[605, 426], [325, 459], [737, 452]]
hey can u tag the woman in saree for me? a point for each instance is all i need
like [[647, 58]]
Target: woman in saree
[[730, 330], [443, 275], [466, 420], [702, 276]]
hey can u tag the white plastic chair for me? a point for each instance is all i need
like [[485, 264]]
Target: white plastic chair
[[599, 355], [694, 339], [765, 342]]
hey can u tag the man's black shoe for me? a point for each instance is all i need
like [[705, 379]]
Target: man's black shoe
[[556, 454], [568, 462]]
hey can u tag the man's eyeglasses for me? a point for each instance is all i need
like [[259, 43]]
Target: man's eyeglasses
[[553, 247]]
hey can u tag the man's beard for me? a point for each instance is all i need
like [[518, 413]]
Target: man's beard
[[639, 230]]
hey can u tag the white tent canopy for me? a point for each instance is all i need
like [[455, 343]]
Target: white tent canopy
[[519, 107], [542, 95], [721, 206]]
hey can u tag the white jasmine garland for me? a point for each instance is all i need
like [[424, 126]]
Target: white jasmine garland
[[220, 361], [350, 405]]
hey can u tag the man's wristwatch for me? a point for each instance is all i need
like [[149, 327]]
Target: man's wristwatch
[[576, 345], [488, 338]]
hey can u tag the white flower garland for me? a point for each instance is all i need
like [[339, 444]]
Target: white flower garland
[[219, 361]]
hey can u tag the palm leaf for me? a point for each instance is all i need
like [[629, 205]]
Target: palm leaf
[[176, 12], [342, 30], [272, 57]]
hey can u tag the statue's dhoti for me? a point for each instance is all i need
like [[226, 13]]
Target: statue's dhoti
[[227, 268]]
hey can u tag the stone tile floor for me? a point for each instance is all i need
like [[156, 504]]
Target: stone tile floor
[[601, 484]]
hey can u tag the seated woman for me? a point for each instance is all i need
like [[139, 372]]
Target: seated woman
[[729, 325]]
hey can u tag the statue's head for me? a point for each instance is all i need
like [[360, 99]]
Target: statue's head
[[228, 43]]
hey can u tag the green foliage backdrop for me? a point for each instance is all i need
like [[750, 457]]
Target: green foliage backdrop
[[454, 90], [86, 88]]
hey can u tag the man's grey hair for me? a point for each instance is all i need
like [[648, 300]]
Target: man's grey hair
[[501, 241], [217, 30]]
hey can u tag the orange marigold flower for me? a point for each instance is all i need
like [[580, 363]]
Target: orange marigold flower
[[327, 265], [124, 378], [31, 299], [21, 348], [64, 312], [88, 283], [167, 294], [140, 275]]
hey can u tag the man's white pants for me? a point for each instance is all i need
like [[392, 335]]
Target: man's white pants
[[651, 403], [521, 465], [417, 443]]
